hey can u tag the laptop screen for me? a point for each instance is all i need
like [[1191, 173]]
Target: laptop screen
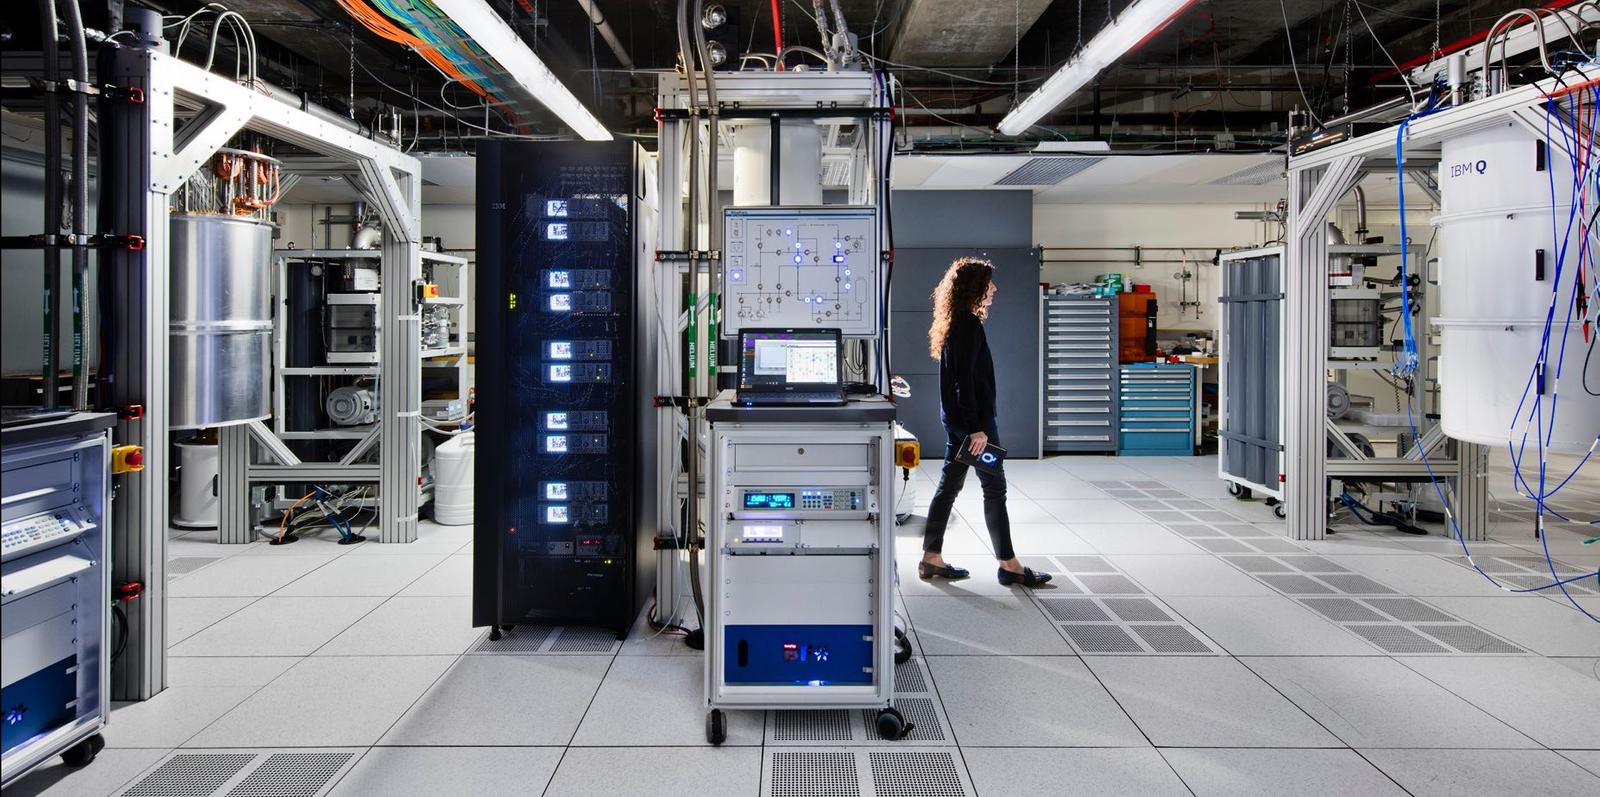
[[778, 360]]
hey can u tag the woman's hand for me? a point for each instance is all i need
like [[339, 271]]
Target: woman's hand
[[977, 442]]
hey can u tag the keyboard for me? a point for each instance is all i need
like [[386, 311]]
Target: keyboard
[[789, 399]]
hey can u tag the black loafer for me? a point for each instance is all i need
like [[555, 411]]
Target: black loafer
[[1027, 578], [926, 571]]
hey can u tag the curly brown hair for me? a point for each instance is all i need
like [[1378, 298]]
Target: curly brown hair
[[961, 290]]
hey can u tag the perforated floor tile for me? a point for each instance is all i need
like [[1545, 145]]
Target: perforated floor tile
[[805, 773], [1409, 610], [1109, 585], [292, 775], [191, 775], [811, 726], [1295, 584], [522, 640], [1170, 638], [908, 678], [902, 771], [1102, 639], [1343, 610], [1395, 639], [179, 565], [585, 640], [1469, 639], [916, 774], [1273, 545], [1355, 584], [1257, 564], [1078, 610], [1134, 610], [1085, 564], [1222, 545], [918, 712], [1313, 564], [1193, 530]]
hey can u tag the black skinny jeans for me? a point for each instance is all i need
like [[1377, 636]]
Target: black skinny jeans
[[951, 479]]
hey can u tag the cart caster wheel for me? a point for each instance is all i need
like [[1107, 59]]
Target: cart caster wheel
[[83, 753], [716, 727], [892, 724], [494, 633], [1280, 512], [902, 647], [1239, 491]]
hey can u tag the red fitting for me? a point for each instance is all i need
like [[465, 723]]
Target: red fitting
[[136, 242], [129, 591], [132, 412]]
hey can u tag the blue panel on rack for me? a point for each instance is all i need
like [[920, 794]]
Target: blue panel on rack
[[39, 703], [800, 655]]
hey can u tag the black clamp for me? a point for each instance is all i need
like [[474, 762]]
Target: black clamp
[[681, 255], [130, 94], [680, 402]]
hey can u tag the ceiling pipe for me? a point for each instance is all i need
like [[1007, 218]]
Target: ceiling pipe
[[604, 28]]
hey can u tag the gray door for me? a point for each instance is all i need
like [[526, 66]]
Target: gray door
[[1252, 299], [1012, 329]]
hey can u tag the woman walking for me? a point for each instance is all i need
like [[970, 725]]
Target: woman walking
[[967, 408]]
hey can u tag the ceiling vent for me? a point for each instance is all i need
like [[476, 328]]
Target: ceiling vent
[[1047, 171], [1260, 174]]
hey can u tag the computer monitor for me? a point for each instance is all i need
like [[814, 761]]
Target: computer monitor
[[789, 360]]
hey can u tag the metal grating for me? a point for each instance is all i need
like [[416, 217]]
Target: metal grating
[[1539, 565], [1109, 585], [522, 639], [189, 564], [1395, 639], [1410, 610], [1265, 173], [1111, 485], [919, 712], [1192, 530], [584, 640], [811, 726], [1356, 585], [1343, 610], [915, 774], [1313, 564], [1223, 545], [1186, 503], [819, 774], [1170, 639], [1214, 516], [1543, 583], [1075, 610], [1137, 610], [1166, 515], [1143, 504], [908, 677], [1085, 564], [1042, 563], [1295, 584], [1257, 564], [191, 775], [1102, 639], [292, 775], [1469, 639], [1148, 485], [1048, 171], [1275, 545], [1242, 530]]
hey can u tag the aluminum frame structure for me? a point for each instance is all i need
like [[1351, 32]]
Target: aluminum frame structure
[[146, 153], [686, 379], [1317, 180]]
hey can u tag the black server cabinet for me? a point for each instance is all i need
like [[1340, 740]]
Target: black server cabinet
[[556, 538]]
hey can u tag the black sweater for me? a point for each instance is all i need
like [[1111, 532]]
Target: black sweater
[[966, 377]]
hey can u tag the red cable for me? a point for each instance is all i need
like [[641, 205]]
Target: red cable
[[777, 32]]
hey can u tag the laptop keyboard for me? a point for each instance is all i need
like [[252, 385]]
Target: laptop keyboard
[[793, 398]]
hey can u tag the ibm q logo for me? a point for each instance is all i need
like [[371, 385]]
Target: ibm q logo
[[987, 458], [1464, 169]]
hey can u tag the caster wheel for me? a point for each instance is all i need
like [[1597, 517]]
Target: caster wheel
[[902, 648], [1280, 512], [716, 727], [1238, 491], [494, 633], [83, 753], [891, 724]]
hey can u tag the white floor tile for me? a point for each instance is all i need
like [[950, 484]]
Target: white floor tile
[[1047, 538], [1268, 626], [1234, 708], [1426, 773], [982, 583], [663, 771], [1006, 625], [189, 616], [1132, 538], [1552, 704], [362, 575], [1022, 510], [998, 770], [1548, 627], [226, 670], [1429, 577], [432, 771], [172, 716], [277, 627], [1270, 773], [1059, 488], [244, 576], [658, 700], [453, 576], [1190, 575], [495, 700], [1588, 759], [1037, 701], [1077, 511], [312, 542], [431, 539], [1377, 702], [111, 770], [326, 701], [409, 626]]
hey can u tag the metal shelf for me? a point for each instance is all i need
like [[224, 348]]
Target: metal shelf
[[331, 370]]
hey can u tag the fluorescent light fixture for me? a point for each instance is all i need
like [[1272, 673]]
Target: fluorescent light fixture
[[1135, 26], [490, 32]]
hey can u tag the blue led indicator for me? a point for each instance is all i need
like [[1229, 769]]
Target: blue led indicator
[[798, 258], [838, 258]]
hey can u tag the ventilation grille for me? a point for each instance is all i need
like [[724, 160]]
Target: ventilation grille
[[584, 640], [292, 775], [919, 712], [811, 726], [1102, 639], [1222, 545], [908, 677], [1395, 639], [1257, 564], [915, 774], [1410, 610], [1137, 610], [191, 775], [1260, 174], [1356, 585], [523, 639], [1170, 639], [1075, 610], [1048, 171], [1085, 564], [1109, 585], [1343, 610], [1469, 639], [821, 774]]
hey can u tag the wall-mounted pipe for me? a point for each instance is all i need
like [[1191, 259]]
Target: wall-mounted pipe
[[50, 345], [605, 31]]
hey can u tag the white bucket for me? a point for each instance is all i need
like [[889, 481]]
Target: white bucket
[[198, 503], [452, 481]]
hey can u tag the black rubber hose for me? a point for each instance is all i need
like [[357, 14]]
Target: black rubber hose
[[52, 201], [80, 201]]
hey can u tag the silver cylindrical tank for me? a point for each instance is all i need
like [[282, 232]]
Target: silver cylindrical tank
[[1497, 282], [221, 332], [799, 164]]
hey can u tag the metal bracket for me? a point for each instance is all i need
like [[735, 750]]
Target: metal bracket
[[280, 452]]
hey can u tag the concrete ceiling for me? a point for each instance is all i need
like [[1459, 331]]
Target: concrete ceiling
[[1116, 178], [960, 32]]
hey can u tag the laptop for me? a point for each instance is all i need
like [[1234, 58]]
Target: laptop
[[790, 367]]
